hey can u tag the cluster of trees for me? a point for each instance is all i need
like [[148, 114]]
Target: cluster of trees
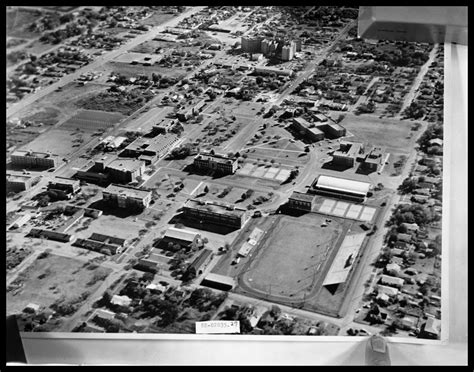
[[411, 213], [56, 37], [365, 108], [17, 56], [433, 131], [182, 151], [15, 256], [415, 111], [126, 102], [293, 174]]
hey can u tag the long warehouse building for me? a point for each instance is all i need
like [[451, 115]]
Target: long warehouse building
[[341, 188]]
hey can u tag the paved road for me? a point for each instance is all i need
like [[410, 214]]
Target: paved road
[[28, 100], [410, 96], [310, 67]]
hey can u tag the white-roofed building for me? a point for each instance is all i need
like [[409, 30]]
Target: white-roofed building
[[389, 291], [341, 188], [393, 268], [184, 238], [392, 281], [121, 300], [343, 262]]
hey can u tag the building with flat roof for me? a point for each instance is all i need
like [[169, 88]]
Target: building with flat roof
[[346, 154], [307, 130], [150, 149], [267, 70], [373, 159], [221, 282], [125, 170], [67, 185], [213, 212], [200, 263], [218, 162], [302, 201], [340, 188], [126, 197], [32, 159], [20, 182]]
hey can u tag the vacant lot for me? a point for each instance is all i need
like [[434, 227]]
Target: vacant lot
[[59, 142], [53, 278], [394, 135], [18, 21], [291, 258], [91, 121], [129, 70], [152, 45], [157, 18]]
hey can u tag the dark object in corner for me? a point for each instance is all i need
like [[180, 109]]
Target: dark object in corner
[[15, 351]]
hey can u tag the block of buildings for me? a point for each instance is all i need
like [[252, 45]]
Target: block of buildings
[[149, 150], [431, 329], [32, 159], [52, 235], [346, 154], [373, 160], [111, 169], [340, 188], [19, 221], [201, 262], [17, 181], [213, 212], [392, 281], [307, 130], [301, 201], [126, 197], [218, 162]]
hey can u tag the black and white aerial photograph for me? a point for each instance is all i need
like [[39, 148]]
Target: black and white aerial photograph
[[172, 168]]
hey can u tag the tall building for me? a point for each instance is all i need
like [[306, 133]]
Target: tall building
[[306, 129], [346, 154], [19, 182], [30, 159], [251, 44], [288, 51]]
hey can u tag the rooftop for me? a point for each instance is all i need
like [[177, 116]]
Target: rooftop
[[218, 158], [127, 191], [129, 165], [342, 184], [33, 154], [180, 234], [201, 259], [348, 149], [215, 207], [302, 196]]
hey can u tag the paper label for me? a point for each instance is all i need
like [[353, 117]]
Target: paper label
[[218, 326]]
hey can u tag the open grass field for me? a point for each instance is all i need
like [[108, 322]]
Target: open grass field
[[51, 278], [59, 142], [291, 257], [394, 135], [157, 18], [129, 70], [91, 121], [125, 228], [18, 20]]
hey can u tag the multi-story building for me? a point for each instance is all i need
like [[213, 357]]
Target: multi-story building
[[218, 162], [212, 212], [65, 184], [302, 201], [125, 170], [373, 159], [19, 182], [198, 266], [126, 197], [288, 51], [307, 130], [31, 159], [346, 154], [251, 44], [150, 149]]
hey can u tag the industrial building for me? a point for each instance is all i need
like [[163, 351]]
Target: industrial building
[[340, 188], [307, 130], [17, 182], [213, 212], [126, 197], [31, 159], [220, 163], [301, 201]]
